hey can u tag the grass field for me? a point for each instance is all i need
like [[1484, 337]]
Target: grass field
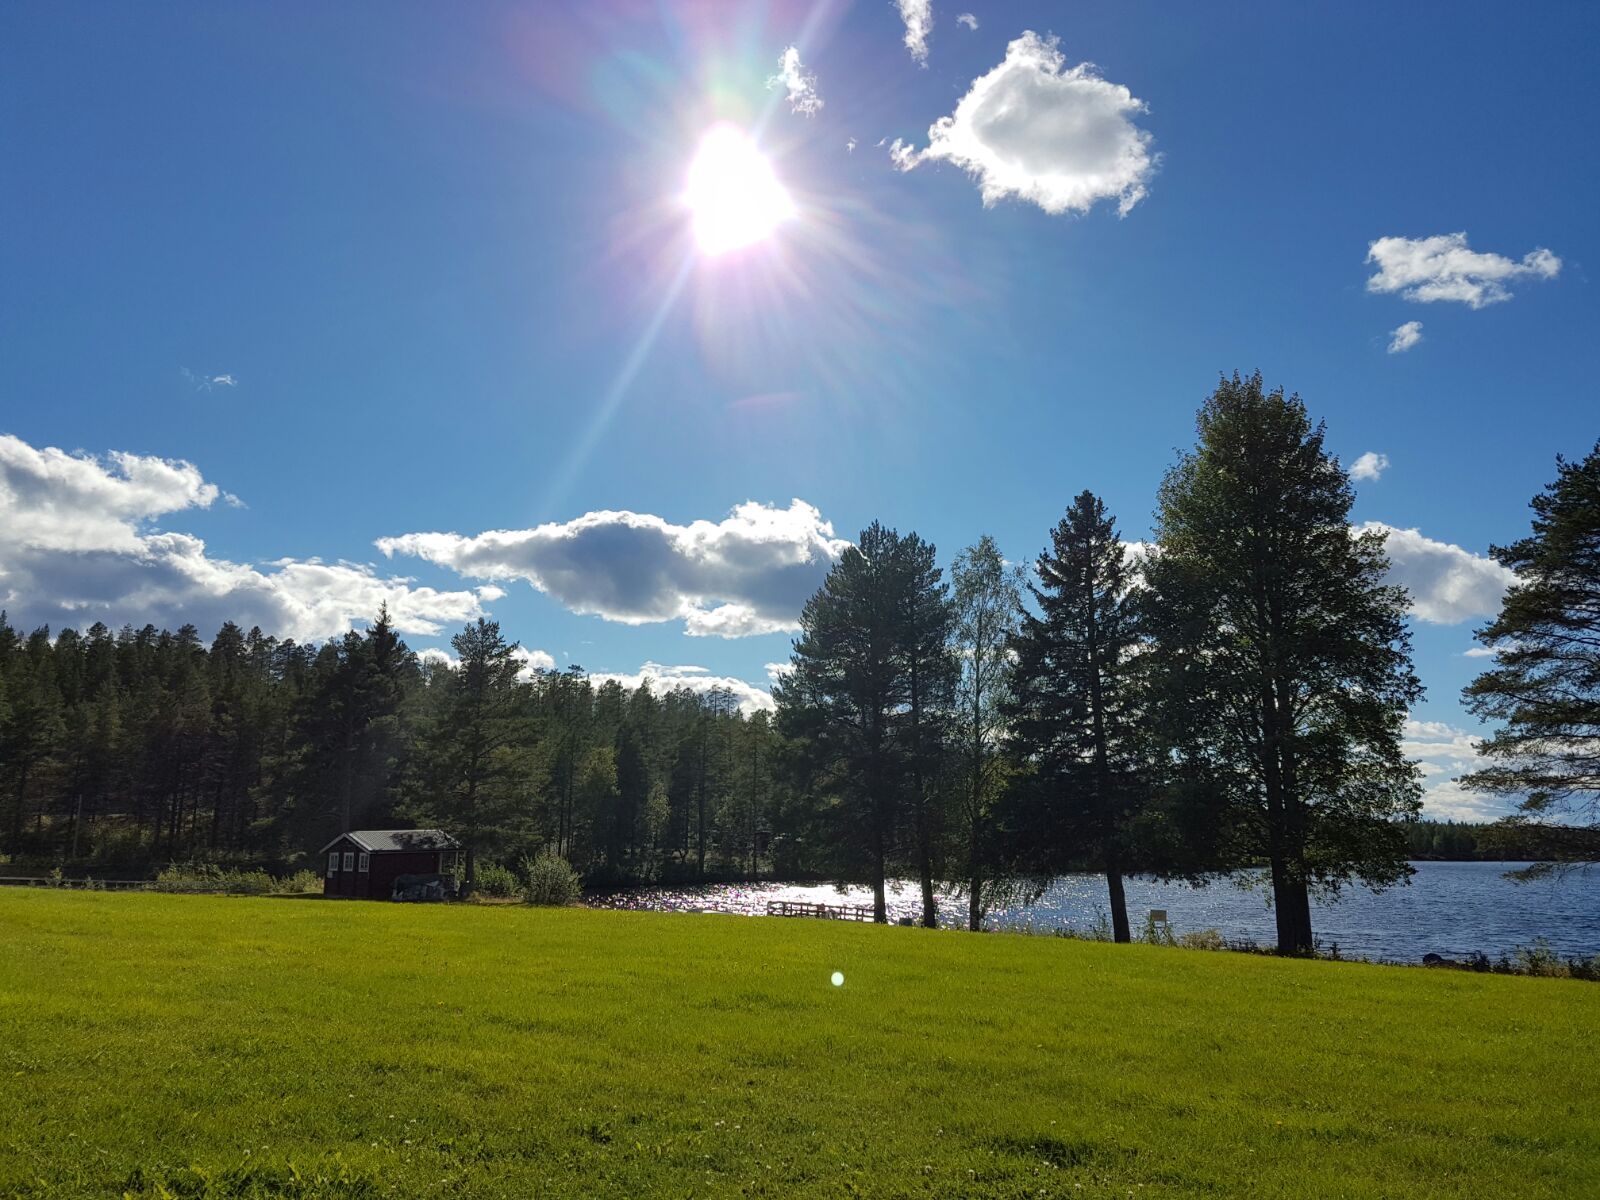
[[205, 1046]]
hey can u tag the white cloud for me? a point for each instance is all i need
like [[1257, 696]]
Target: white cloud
[[918, 17], [698, 680], [1444, 268], [77, 545], [206, 381], [533, 661], [799, 83], [967, 19], [750, 573], [1369, 466], [1038, 130], [1445, 753], [433, 656], [777, 670], [902, 154], [1448, 584], [1403, 337]]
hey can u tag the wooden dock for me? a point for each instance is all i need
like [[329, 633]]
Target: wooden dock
[[828, 912]]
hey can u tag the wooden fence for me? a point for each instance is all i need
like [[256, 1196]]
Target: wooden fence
[[830, 912], [98, 885]]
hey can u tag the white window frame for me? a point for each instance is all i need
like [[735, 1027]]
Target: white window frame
[[333, 862], [364, 863], [349, 860]]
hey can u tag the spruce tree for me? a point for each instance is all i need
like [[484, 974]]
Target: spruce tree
[[1074, 701]]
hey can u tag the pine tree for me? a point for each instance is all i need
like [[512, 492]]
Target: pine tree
[[474, 771], [1544, 689], [1074, 704], [1280, 659], [923, 732], [843, 697]]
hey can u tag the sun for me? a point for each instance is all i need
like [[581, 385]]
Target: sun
[[733, 195]]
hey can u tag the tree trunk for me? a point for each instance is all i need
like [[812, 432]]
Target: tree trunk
[[1291, 910], [880, 903], [1119, 904], [975, 903], [930, 905]]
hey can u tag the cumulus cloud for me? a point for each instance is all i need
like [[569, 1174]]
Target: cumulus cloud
[[777, 670], [918, 18], [1033, 128], [1448, 584], [1444, 753], [1445, 268], [1403, 337], [1369, 466], [698, 680], [967, 19], [750, 573], [78, 545], [798, 82], [533, 661]]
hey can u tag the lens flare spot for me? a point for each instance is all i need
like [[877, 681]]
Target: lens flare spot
[[838, 979], [733, 195]]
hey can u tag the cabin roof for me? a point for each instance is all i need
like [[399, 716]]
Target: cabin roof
[[377, 841]]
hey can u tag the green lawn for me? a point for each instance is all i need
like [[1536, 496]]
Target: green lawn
[[205, 1046]]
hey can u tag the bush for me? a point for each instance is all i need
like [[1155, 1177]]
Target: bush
[[551, 879], [1203, 939], [294, 885], [497, 881], [207, 877], [1537, 959]]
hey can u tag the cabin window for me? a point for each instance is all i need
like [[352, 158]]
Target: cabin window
[[349, 860], [365, 862], [333, 862]]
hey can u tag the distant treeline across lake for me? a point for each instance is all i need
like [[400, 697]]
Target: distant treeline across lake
[[1449, 908]]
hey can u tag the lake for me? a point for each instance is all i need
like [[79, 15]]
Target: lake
[[1449, 908]]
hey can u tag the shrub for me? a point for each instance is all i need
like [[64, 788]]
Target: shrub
[[551, 879], [300, 881], [1539, 959], [1203, 939], [207, 877], [497, 881]]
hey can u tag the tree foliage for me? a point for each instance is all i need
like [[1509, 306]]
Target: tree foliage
[[1280, 659], [1075, 704], [1544, 689]]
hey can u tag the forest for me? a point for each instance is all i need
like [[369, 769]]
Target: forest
[[1229, 695]]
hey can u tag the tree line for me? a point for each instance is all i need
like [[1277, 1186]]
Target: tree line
[[1229, 695], [142, 747]]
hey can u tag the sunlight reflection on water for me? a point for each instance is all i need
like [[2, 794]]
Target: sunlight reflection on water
[[1449, 908]]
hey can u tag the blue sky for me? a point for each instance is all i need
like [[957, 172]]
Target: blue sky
[[388, 270]]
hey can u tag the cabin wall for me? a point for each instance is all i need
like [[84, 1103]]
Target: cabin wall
[[377, 881], [386, 868]]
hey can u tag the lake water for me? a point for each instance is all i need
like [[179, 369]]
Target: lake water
[[1449, 908]]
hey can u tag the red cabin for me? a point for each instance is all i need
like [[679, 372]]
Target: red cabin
[[364, 863]]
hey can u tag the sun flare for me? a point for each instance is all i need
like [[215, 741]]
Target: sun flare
[[733, 195]]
